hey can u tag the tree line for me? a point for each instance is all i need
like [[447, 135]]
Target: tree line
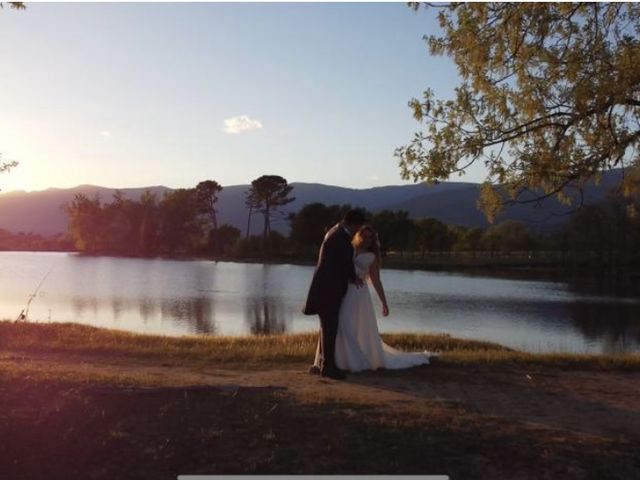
[[181, 222], [185, 222]]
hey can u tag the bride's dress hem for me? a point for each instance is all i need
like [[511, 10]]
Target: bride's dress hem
[[359, 346]]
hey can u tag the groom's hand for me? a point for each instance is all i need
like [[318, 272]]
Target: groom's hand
[[385, 311], [359, 282]]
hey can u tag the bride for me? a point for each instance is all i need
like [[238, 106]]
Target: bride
[[358, 343]]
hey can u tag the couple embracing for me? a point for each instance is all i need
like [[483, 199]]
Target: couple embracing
[[339, 295]]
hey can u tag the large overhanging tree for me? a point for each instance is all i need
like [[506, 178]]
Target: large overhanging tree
[[549, 98]]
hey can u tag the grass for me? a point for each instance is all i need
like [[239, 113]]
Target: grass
[[273, 349], [84, 402]]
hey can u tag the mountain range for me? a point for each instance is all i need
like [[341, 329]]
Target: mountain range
[[450, 202]]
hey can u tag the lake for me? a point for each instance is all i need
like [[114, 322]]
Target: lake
[[172, 297]]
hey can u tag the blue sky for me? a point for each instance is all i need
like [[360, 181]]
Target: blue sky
[[127, 95]]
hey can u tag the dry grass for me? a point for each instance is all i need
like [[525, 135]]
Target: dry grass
[[72, 406], [273, 349]]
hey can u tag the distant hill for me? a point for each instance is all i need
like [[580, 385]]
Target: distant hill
[[450, 202], [459, 207], [232, 209], [42, 213]]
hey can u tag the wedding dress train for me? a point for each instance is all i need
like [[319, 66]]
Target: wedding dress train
[[358, 343]]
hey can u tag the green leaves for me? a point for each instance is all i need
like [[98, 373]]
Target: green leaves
[[549, 97]]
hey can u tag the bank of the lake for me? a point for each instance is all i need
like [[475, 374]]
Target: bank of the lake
[[83, 402], [550, 261]]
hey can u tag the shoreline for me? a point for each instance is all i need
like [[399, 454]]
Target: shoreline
[[77, 338], [438, 263]]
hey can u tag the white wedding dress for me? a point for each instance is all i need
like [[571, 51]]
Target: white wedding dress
[[358, 343]]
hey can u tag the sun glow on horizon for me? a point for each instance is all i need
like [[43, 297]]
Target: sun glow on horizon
[[145, 100]]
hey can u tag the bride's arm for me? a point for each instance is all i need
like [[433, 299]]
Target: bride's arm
[[374, 273]]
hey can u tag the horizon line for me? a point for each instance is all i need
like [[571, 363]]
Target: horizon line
[[89, 185]]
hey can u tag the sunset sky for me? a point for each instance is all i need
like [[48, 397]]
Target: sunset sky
[[130, 95]]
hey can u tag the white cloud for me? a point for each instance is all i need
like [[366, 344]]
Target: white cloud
[[373, 178], [105, 133], [241, 123]]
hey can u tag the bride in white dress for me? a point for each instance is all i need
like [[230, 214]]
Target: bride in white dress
[[358, 343]]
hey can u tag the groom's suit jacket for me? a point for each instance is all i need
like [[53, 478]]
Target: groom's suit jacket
[[333, 273]]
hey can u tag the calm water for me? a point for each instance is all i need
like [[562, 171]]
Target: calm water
[[202, 297]]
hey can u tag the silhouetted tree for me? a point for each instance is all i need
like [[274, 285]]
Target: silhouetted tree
[[252, 203], [270, 192], [394, 229], [466, 239], [311, 222], [433, 236], [148, 218], [224, 238], [508, 236], [86, 223], [207, 197], [180, 226]]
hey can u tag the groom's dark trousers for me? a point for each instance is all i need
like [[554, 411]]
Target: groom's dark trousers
[[330, 280]]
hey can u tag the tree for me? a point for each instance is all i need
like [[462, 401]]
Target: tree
[[270, 192], [224, 238], [252, 203], [508, 236], [133, 224], [148, 222], [433, 236], [394, 229], [311, 222], [86, 223], [466, 239], [15, 5], [207, 197], [609, 230], [549, 98], [180, 227]]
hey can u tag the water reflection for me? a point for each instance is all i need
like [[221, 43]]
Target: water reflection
[[534, 311], [147, 309], [614, 286], [608, 324], [265, 316], [536, 315], [80, 304], [265, 312], [196, 312]]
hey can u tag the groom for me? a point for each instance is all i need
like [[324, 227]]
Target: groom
[[331, 278]]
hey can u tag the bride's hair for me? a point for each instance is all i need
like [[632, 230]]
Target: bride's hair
[[358, 241]]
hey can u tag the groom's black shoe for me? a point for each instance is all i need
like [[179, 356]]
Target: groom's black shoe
[[334, 374]]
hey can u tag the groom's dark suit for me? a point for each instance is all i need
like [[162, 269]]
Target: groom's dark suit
[[330, 280]]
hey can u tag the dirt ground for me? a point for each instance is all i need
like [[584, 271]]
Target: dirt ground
[[92, 417]]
